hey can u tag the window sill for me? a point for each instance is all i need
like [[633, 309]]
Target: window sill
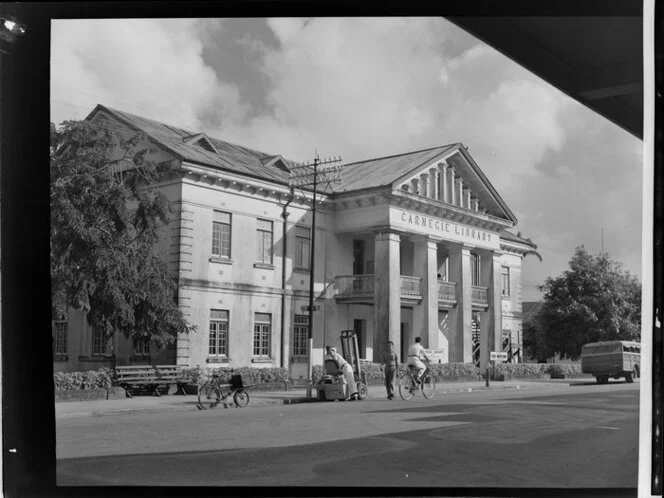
[[217, 360], [299, 359], [261, 360], [223, 261], [302, 270], [264, 266], [61, 357]]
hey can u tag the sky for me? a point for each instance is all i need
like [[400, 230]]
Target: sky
[[363, 88]]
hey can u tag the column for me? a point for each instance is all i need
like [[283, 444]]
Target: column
[[387, 295], [415, 182], [468, 199], [443, 186], [491, 322], [425, 315], [460, 192], [424, 177], [461, 341], [452, 186], [433, 181]]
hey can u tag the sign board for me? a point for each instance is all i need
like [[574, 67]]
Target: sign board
[[498, 356], [436, 355]]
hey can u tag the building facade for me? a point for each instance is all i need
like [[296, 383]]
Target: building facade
[[415, 244]]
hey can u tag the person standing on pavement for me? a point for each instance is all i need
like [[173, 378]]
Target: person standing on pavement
[[346, 369], [389, 364]]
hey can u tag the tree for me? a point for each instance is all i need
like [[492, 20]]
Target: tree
[[107, 220], [595, 300]]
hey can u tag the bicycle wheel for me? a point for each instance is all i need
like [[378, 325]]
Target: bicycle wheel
[[428, 386], [209, 396], [406, 387], [241, 398]]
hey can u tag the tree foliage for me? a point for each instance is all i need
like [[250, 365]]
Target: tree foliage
[[594, 300], [106, 225]]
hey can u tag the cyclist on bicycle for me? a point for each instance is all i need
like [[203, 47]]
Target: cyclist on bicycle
[[415, 355]]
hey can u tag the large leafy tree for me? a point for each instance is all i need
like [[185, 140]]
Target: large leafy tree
[[107, 221], [594, 300]]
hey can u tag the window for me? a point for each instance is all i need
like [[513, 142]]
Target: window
[[218, 333], [264, 242], [221, 234], [61, 337], [262, 334], [142, 346], [505, 278], [302, 247], [475, 269], [100, 343], [300, 335]]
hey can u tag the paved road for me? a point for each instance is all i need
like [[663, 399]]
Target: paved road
[[558, 436]]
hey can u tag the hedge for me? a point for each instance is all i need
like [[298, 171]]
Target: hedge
[[269, 375], [93, 379]]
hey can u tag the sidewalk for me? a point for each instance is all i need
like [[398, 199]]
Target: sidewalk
[[71, 409]]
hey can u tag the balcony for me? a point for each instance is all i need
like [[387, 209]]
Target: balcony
[[479, 296], [446, 292], [360, 288]]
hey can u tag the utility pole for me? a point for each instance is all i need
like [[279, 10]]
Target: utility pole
[[602, 241], [305, 175]]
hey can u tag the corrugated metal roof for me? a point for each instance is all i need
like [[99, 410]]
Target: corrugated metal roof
[[505, 235], [230, 157], [384, 171]]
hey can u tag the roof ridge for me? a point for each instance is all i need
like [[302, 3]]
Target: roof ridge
[[402, 154], [188, 133]]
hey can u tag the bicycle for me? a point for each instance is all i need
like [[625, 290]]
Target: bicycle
[[408, 386], [212, 392]]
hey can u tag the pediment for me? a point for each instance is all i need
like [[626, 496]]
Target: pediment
[[454, 178]]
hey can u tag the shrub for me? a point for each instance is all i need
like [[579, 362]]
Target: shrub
[[93, 379], [268, 375]]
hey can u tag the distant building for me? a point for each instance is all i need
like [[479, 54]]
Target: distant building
[[414, 244]]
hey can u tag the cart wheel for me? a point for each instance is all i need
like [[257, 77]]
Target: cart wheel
[[362, 392], [241, 398], [209, 396]]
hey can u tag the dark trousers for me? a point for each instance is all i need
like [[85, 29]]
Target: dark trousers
[[390, 375]]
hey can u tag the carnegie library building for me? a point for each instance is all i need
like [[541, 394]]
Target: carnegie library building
[[414, 244]]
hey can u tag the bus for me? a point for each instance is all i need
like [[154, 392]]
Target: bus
[[611, 359]]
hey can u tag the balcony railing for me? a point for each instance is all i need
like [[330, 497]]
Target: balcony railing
[[411, 286], [479, 295], [348, 286], [355, 285], [446, 291]]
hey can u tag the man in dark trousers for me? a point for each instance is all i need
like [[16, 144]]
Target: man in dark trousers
[[390, 365]]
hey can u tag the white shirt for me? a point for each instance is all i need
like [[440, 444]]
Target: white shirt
[[416, 350], [338, 358]]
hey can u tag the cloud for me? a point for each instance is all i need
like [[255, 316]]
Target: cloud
[[370, 87], [149, 67]]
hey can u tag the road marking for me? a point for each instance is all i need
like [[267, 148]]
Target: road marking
[[610, 428]]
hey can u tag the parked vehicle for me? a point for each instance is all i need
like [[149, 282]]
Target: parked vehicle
[[611, 359]]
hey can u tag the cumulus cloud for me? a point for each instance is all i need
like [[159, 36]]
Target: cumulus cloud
[[149, 67], [370, 87]]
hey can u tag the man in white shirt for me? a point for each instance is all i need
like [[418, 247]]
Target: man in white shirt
[[415, 353], [346, 369]]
